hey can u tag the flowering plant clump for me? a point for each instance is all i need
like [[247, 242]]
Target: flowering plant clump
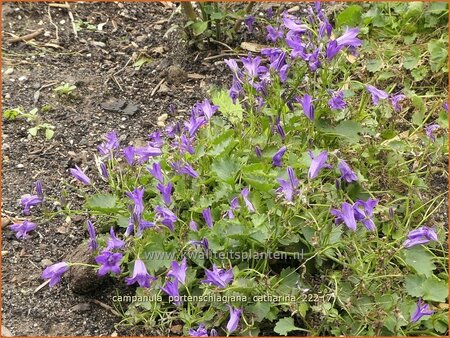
[[289, 203]]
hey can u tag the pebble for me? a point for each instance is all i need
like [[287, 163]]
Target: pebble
[[9, 71], [82, 307], [20, 166], [46, 262], [6, 332]]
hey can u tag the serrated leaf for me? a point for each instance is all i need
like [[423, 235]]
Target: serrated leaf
[[374, 65], [420, 260], [199, 27], [351, 16], [260, 310], [414, 285], [49, 134], [285, 325], [101, 202], [435, 290], [225, 168], [33, 131], [233, 112], [411, 60], [438, 54]]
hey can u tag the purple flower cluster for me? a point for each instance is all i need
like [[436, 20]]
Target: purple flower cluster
[[361, 211], [422, 235]]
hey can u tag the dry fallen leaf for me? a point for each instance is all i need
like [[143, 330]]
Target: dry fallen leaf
[[252, 46]]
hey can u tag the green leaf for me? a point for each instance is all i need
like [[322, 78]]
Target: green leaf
[[225, 168], [49, 134], [419, 73], [374, 65], [285, 325], [260, 310], [233, 112], [199, 27], [435, 290], [346, 130], [259, 182], [412, 59], [101, 202], [33, 131], [414, 285], [438, 54], [223, 143], [415, 9], [420, 260], [351, 16]]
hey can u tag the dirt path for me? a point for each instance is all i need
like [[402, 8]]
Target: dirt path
[[101, 63]]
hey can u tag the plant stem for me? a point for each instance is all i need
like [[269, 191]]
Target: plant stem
[[189, 10]]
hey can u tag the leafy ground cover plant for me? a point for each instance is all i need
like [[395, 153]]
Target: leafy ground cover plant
[[299, 201]]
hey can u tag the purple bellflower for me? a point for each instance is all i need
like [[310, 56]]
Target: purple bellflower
[[249, 20], [109, 262], [207, 109], [429, 131], [80, 175], [445, 106], [346, 215], [396, 101], [199, 332], [178, 271], [39, 190], [234, 205], [92, 245], [276, 159], [128, 154], [104, 171], [233, 322], [168, 218], [273, 34], [193, 225], [166, 192], [207, 216], [349, 39], [54, 272], [317, 163], [144, 153], [28, 201], [292, 24], [347, 174], [171, 289], [252, 66], [22, 229], [140, 275], [363, 211], [420, 236], [113, 242], [421, 310], [289, 188], [337, 101], [155, 140], [186, 145], [307, 105], [377, 94], [245, 194], [156, 172], [111, 143], [137, 196], [218, 277]]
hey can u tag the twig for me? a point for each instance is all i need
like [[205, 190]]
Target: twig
[[156, 88], [107, 307], [51, 21], [66, 5], [222, 55], [117, 82], [72, 21], [26, 37], [41, 286], [222, 44]]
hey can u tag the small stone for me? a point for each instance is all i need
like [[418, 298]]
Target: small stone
[[20, 166], [5, 222], [114, 334], [6, 332], [82, 307], [83, 279], [176, 74], [46, 262], [9, 71]]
